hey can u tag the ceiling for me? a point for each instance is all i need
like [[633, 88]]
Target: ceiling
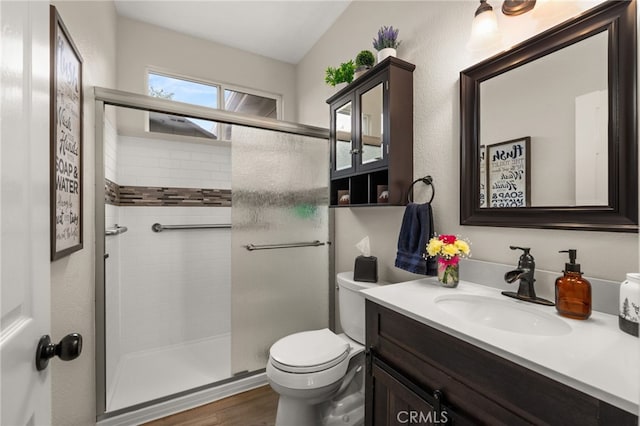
[[282, 30]]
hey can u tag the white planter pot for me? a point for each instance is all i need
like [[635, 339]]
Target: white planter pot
[[385, 53]]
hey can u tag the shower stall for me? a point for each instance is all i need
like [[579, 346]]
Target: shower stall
[[208, 249]]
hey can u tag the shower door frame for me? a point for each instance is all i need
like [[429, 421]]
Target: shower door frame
[[118, 98]]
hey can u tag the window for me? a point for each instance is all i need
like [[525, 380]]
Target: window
[[209, 95]]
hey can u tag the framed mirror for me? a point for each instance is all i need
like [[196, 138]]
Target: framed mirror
[[549, 128]]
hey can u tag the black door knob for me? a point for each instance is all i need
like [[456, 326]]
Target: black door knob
[[69, 348]]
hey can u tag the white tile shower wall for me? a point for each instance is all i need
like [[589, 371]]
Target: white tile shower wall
[[112, 293], [157, 162], [175, 284], [110, 151]]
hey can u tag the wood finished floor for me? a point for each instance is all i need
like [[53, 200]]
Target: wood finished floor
[[256, 407]]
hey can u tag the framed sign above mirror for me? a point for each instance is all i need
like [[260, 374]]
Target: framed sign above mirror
[[572, 91]]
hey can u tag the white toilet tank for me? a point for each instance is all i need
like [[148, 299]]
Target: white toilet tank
[[351, 305]]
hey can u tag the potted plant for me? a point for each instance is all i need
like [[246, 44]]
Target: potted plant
[[364, 61], [387, 42], [342, 74]]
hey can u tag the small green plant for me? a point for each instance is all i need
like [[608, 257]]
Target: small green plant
[[342, 74], [365, 59]]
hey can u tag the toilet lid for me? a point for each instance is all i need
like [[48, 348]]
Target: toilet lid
[[309, 351]]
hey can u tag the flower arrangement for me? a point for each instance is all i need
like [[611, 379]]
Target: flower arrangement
[[387, 38], [449, 249], [342, 74]]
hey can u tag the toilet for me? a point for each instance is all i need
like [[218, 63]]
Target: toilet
[[318, 374]]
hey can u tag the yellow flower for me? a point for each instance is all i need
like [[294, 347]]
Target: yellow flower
[[450, 250], [434, 246], [463, 247]]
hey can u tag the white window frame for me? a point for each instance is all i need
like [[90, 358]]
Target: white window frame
[[219, 85]]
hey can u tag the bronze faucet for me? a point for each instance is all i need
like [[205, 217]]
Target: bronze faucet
[[524, 273]]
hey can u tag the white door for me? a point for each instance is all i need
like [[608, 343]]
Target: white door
[[24, 211]]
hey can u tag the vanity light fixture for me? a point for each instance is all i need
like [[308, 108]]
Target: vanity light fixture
[[484, 29], [517, 7]]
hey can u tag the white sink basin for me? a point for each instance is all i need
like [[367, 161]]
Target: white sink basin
[[507, 315]]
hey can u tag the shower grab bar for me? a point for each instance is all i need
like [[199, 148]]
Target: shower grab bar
[[116, 230], [156, 227], [252, 247]]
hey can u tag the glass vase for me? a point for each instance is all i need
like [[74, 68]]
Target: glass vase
[[448, 272]]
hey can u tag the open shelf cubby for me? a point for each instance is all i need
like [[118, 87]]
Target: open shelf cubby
[[366, 190]]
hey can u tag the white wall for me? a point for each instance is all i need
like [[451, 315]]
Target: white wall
[[143, 45], [434, 35], [92, 26]]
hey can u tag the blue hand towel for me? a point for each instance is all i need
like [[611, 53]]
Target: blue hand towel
[[416, 230]]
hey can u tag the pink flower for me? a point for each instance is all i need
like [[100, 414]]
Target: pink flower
[[448, 262], [448, 239]]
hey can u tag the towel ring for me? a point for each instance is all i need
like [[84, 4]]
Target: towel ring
[[427, 180]]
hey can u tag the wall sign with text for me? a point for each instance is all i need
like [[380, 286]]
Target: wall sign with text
[[508, 165], [66, 141]]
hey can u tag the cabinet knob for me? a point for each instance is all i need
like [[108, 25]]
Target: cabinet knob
[[354, 151]]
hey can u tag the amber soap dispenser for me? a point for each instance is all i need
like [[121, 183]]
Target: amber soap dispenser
[[573, 292]]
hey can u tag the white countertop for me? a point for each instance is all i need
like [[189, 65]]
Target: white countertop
[[595, 357]]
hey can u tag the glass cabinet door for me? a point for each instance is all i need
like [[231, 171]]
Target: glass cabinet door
[[343, 148], [371, 125]]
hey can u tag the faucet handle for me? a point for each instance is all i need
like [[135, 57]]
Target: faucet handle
[[526, 259], [524, 249]]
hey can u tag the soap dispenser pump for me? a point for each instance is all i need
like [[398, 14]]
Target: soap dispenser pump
[[573, 292]]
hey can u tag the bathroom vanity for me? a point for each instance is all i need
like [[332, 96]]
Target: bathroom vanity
[[431, 361]]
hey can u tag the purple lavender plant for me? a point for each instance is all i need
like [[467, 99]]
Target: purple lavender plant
[[387, 37]]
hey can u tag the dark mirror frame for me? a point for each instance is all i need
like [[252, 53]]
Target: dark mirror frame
[[621, 214]]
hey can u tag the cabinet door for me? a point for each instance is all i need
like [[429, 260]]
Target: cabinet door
[[372, 125], [342, 140], [395, 400], [395, 404]]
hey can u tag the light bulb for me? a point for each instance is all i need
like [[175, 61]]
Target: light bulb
[[484, 29]]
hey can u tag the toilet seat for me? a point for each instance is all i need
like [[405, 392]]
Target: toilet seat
[[309, 351]]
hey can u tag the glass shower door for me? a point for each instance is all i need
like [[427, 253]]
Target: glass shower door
[[280, 198]]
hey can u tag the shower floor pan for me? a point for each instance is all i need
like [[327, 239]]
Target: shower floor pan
[[148, 375]]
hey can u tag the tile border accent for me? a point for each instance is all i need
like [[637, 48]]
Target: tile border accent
[[111, 192], [129, 195]]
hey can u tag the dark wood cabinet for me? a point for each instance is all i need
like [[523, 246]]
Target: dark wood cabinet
[[415, 368], [371, 136]]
